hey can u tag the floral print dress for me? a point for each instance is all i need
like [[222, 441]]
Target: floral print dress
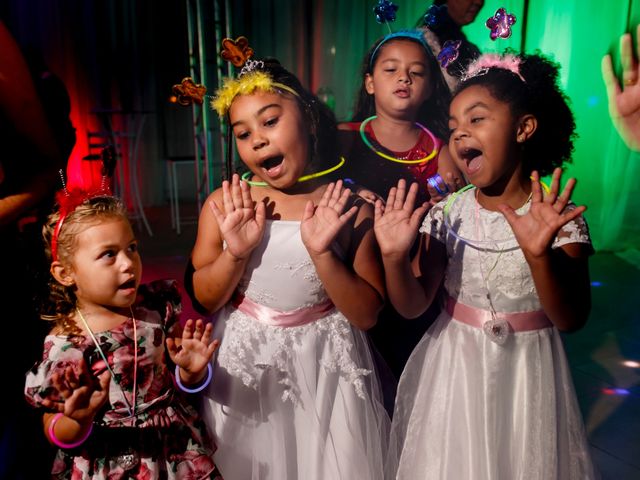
[[165, 439]]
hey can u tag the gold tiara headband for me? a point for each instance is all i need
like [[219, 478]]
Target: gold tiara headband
[[252, 77]]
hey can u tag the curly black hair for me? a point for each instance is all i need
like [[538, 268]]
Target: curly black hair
[[318, 116], [434, 111], [540, 95]]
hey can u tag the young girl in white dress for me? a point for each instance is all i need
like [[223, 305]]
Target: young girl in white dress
[[290, 264], [487, 393]]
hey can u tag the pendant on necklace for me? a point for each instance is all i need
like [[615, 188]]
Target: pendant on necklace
[[128, 460], [496, 330]]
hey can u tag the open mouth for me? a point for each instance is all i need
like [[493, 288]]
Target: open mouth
[[128, 284], [472, 157], [272, 162], [402, 92]]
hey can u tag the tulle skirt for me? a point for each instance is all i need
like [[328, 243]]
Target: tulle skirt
[[295, 403], [468, 408]]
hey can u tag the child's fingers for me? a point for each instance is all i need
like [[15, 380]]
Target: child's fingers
[[378, 210], [552, 195], [245, 191], [346, 216], [211, 349], [609, 77], [536, 189], [172, 348], [509, 213], [391, 198], [629, 70], [217, 214], [341, 202], [207, 334], [187, 331], [418, 213], [564, 197], [398, 202], [571, 215], [236, 192], [328, 192], [411, 197], [308, 211], [227, 201]]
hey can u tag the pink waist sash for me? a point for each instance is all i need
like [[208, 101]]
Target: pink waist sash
[[277, 318], [476, 317]]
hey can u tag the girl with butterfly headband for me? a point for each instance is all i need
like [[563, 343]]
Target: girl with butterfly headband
[[487, 393]]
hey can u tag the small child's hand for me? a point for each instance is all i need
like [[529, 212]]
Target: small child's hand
[[321, 224], [84, 395], [241, 223], [195, 350], [536, 229], [396, 223]]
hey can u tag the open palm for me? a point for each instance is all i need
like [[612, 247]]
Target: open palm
[[241, 224], [536, 229], [196, 348], [396, 223], [321, 224], [624, 103]]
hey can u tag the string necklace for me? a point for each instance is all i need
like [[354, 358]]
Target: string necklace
[[304, 178], [366, 141], [496, 329], [130, 408]]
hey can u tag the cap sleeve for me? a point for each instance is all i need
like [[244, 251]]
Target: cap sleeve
[[59, 353], [576, 231], [433, 223]]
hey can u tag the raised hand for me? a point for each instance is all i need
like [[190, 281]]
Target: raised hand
[[624, 103], [241, 223], [83, 394], [536, 229], [321, 224], [195, 349], [396, 223]]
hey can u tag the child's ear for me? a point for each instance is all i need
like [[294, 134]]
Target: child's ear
[[526, 128], [368, 83], [62, 273]]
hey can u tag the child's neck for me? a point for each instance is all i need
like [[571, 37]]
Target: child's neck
[[395, 134], [289, 204], [513, 193], [100, 318]]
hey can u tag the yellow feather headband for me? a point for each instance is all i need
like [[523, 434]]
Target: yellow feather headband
[[246, 84]]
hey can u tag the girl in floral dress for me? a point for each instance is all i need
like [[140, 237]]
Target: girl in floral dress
[[112, 406]]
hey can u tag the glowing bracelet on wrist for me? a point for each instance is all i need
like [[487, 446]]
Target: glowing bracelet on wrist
[[197, 389], [60, 444], [435, 182]]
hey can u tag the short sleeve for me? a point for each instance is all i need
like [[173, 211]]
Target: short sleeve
[[576, 231], [59, 353], [433, 223]]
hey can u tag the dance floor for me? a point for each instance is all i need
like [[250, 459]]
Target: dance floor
[[604, 356]]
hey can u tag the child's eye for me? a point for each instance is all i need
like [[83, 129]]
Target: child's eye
[[133, 247], [417, 74], [108, 254], [271, 122], [476, 119], [389, 70]]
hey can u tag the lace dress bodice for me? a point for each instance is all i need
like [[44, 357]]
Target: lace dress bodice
[[491, 260], [278, 263]]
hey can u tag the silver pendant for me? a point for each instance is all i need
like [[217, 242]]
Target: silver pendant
[[496, 330], [128, 460]]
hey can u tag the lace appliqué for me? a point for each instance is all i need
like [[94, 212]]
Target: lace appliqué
[[242, 352]]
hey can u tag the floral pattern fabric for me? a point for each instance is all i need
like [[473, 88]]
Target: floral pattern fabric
[[165, 432]]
